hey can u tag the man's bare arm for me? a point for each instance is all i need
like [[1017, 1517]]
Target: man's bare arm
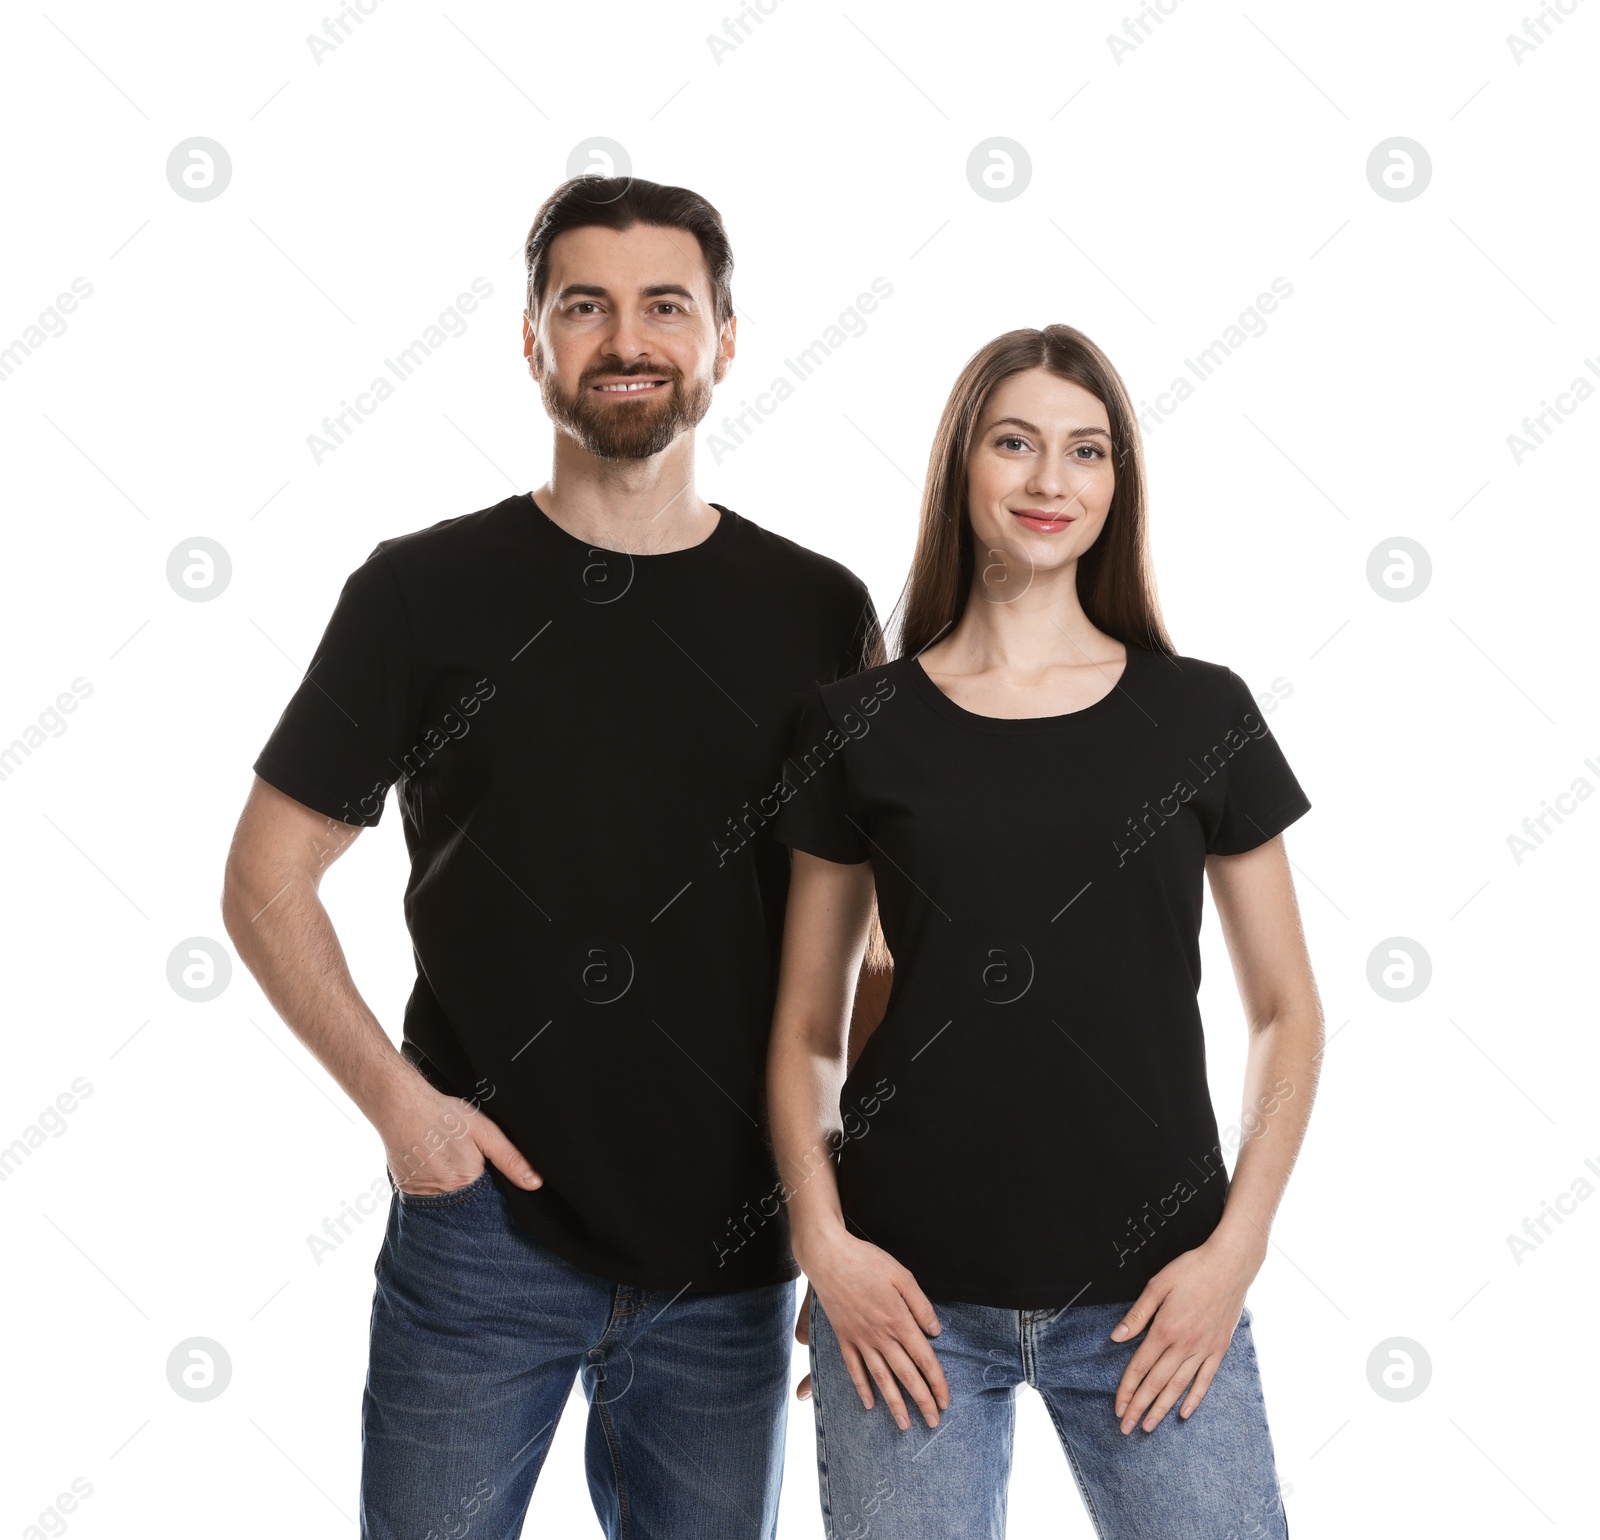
[[276, 920]]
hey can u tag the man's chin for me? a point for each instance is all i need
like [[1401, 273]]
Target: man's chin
[[605, 443], [626, 452], [631, 431]]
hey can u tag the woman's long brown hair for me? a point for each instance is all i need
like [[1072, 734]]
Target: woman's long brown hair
[[1116, 585]]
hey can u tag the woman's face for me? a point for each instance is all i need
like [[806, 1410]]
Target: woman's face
[[1039, 478]]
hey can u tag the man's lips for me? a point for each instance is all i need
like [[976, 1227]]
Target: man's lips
[[1045, 523]]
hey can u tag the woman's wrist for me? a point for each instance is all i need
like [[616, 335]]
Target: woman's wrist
[[815, 1237], [1240, 1241]]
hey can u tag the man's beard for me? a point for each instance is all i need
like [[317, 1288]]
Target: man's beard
[[627, 430]]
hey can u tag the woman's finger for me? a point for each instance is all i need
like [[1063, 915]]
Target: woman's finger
[[1139, 1312], [886, 1382], [1172, 1390], [907, 1372], [1152, 1385], [1145, 1358], [920, 1306], [857, 1371], [1202, 1383], [919, 1348]]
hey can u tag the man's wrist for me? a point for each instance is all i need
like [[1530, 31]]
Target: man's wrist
[[395, 1084]]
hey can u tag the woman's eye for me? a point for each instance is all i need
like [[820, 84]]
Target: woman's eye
[[1009, 440]]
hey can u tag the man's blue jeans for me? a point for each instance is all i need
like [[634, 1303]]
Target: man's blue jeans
[[1210, 1477], [478, 1332]]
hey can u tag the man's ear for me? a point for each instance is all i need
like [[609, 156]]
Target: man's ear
[[725, 350], [530, 347]]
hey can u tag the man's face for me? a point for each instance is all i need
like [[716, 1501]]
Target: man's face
[[626, 347]]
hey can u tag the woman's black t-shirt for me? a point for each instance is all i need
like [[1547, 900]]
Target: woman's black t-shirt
[[1030, 1125]]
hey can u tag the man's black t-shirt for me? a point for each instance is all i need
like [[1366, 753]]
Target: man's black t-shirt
[[589, 748], [1030, 1125]]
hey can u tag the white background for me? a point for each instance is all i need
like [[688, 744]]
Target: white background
[[1168, 190]]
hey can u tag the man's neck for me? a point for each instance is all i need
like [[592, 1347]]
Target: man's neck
[[638, 506]]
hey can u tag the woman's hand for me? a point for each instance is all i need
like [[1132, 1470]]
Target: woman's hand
[[1195, 1301], [802, 1335], [883, 1322]]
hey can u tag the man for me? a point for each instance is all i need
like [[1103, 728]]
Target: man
[[585, 694]]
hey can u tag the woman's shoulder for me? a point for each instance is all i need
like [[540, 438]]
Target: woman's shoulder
[[1202, 690], [1182, 670], [866, 689]]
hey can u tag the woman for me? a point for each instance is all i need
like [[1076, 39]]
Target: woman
[[1021, 1178]]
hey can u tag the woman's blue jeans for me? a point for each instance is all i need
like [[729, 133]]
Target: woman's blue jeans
[[1210, 1477], [478, 1332]]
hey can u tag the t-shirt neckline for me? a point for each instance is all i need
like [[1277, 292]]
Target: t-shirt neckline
[[713, 542], [924, 685]]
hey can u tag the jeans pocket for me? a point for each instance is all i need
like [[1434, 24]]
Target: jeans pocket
[[478, 1185]]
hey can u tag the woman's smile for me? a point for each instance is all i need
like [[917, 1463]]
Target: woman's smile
[[1038, 518]]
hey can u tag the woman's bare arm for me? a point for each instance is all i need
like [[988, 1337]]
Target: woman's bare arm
[[1193, 1304], [1255, 899], [825, 935], [880, 1317]]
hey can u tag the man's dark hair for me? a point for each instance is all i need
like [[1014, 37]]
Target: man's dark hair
[[618, 203]]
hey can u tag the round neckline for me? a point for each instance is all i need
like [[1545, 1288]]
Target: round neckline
[[726, 518], [942, 703]]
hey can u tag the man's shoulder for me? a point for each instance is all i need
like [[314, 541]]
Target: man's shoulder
[[466, 535], [797, 562]]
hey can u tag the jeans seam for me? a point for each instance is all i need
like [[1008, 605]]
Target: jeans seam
[[816, 1411], [624, 1517], [1266, 1426], [1077, 1470]]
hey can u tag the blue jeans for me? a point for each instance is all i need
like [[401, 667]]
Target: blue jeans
[[478, 1332], [1211, 1477]]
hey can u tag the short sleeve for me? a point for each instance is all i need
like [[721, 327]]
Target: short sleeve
[[862, 648], [815, 815], [342, 739], [1261, 796]]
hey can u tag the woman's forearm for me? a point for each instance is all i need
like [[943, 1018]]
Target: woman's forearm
[[1280, 1086], [803, 1109], [825, 935]]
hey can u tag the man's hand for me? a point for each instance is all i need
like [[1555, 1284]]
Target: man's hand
[[436, 1143], [1191, 1307]]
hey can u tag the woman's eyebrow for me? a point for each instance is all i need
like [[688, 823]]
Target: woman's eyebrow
[[1029, 427]]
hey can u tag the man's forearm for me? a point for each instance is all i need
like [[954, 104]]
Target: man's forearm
[[287, 940]]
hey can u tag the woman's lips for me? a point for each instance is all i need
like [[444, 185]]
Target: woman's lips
[[1045, 523]]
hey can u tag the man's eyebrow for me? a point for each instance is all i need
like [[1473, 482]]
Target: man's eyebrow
[[599, 291], [1029, 427]]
